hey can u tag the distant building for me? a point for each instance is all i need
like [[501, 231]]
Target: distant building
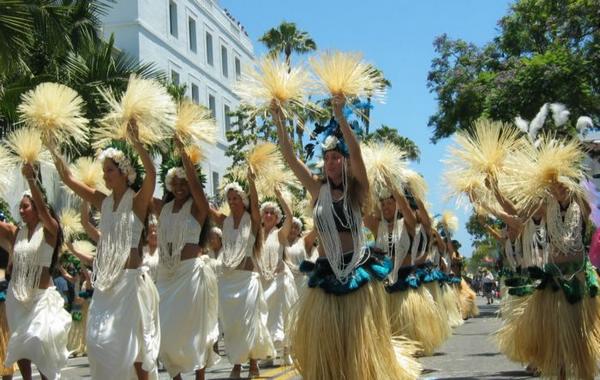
[[199, 45]]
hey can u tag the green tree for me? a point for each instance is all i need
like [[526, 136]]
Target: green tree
[[385, 133], [287, 39], [546, 51], [65, 47]]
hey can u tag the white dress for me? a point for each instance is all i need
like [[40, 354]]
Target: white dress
[[296, 254], [188, 295], [242, 308], [150, 261], [38, 322], [280, 290], [123, 323]]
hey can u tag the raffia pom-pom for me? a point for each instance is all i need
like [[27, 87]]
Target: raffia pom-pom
[[341, 73], [384, 163], [25, 146], [416, 183], [449, 221], [84, 247], [70, 222], [485, 148], [195, 123], [533, 169], [266, 162], [89, 171], [272, 80], [57, 112], [148, 103]]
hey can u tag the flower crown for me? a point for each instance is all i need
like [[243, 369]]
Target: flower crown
[[238, 189], [122, 161], [176, 171], [298, 222], [271, 205]]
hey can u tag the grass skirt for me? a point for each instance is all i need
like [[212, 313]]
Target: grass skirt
[[546, 330], [76, 342], [348, 337], [468, 307], [4, 335], [450, 300], [414, 315], [510, 338]]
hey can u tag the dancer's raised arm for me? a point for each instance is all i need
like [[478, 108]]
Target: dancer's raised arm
[[143, 197], [357, 165], [86, 193], [50, 224], [300, 169], [196, 189], [284, 231], [88, 227]]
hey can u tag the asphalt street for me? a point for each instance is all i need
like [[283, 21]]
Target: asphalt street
[[469, 354]]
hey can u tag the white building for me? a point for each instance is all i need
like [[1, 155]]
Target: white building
[[198, 45]]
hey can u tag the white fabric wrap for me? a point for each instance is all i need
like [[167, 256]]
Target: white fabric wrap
[[39, 330], [189, 312], [151, 262], [280, 294], [243, 313], [123, 327]]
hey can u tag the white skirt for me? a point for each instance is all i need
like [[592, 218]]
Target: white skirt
[[301, 281], [123, 327], [243, 313], [280, 295], [40, 330], [188, 310]]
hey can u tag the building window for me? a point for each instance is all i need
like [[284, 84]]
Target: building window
[[195, 94], [238, 69], [227, 118], [212, 105], [173, 18], [175, 77], [215, 183], [192, 32], [224, 61], [209, 49]]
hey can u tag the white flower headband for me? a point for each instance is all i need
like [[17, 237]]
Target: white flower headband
[[178, 172], [297, 222], [238, 189], [122, 162], [274, 207]]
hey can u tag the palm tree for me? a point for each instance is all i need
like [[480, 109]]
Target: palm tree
[[64, 47], [287, 39]]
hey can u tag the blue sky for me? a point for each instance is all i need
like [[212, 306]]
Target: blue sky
[[397, 37]]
